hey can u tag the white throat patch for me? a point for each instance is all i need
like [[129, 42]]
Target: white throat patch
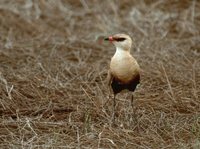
[[120, 53]]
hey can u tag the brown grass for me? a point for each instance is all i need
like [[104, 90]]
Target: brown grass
[[53, 71]]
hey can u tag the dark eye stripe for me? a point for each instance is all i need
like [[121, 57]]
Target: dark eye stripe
[[118, 39]]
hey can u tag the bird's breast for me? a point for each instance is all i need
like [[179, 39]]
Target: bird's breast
[[124, 68]]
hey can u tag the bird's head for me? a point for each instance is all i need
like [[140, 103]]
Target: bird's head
[[121, 41]]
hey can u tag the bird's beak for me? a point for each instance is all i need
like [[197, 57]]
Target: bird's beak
[[109, 39]]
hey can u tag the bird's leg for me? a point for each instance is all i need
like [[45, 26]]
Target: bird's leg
[[114, 104], [134, 118], [132, 101], [132, 115]]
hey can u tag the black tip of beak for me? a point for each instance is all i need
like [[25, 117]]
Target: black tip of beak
[[106, 38]]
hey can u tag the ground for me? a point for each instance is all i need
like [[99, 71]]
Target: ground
[[53, 67]]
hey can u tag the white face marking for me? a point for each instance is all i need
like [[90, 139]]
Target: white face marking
[[125, 44], [120, 43]]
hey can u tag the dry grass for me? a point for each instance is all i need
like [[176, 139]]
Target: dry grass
[[52, 74]]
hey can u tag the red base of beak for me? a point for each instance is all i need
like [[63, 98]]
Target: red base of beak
[[110, 38]]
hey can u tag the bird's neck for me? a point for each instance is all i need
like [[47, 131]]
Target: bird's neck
[[121, 52]]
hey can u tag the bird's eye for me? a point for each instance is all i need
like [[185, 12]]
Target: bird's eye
[[118, 39]]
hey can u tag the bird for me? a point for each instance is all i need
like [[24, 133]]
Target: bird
[[124, 70]]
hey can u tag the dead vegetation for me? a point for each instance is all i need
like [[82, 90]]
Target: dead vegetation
[[52, 74]]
